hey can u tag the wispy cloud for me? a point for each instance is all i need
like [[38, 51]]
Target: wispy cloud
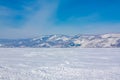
[[38, 18], [14, 13], [35, 23], [4, 11]]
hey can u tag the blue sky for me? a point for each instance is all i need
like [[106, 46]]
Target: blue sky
[[30, 18]]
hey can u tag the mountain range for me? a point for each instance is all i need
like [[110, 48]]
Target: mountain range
[[64, 41]]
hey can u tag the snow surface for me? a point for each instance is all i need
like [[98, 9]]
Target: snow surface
[[59, 64]]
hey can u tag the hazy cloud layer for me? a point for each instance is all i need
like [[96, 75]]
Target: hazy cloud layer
[[29, 18]]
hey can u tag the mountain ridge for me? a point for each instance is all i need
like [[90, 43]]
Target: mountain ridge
[[111, 40]]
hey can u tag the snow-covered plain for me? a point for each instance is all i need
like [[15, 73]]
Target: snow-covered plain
[[59, 64]]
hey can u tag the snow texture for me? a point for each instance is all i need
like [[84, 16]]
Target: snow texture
[[59, 64]]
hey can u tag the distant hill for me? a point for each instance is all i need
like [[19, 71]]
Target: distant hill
[[65, 41]]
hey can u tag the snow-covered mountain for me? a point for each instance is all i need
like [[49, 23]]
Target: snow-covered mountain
[[64, 41]]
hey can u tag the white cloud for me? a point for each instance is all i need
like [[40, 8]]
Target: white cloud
[[42, 22], [36, 24]]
